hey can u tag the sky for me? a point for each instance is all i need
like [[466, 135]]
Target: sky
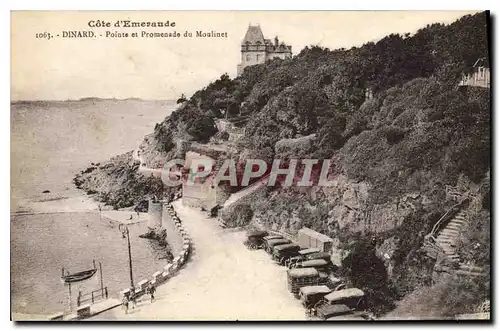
[[163, 68]]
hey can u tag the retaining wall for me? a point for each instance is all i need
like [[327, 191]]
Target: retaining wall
[[174, 238], [170, 269]]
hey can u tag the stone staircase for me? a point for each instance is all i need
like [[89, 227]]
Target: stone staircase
[[444, 241], [448, 236]]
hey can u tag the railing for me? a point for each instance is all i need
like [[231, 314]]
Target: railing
[[452, 211], [92, 296]]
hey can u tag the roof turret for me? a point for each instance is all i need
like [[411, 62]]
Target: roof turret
[[254, 34]]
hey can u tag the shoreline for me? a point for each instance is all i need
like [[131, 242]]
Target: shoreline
[[62, 196]]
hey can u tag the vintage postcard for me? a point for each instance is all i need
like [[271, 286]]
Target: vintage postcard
[[250, 165]]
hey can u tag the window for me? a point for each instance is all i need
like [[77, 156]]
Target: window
[[249, 57], [257, 57]]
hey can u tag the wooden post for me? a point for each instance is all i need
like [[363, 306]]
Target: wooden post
[[130, 261], [92, 296], [125, 233], [102, 287], [69, 290], [78, 299]]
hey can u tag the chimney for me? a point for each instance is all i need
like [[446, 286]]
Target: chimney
[[276, 41]]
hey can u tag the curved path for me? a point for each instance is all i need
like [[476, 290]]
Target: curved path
[[222, 281]]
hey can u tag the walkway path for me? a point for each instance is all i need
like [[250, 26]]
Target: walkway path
[[246, 191], [223, 281]]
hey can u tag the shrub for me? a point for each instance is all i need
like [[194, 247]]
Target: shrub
[[473, 244], [367, 272], [394, 135], [447, 298], [241, 215]]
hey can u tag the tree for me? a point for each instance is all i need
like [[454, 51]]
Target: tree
[[182, 99]]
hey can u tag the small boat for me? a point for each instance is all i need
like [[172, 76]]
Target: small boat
[[78, 276]]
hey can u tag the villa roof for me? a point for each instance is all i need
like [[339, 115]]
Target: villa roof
[[254, 34]]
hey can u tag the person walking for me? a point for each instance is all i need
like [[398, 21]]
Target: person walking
[[125, 303], [152, 290], [133, 299]]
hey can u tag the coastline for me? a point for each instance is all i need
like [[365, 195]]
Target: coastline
[[49, 193]]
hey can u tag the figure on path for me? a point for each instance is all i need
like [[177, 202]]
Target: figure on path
[[133, 300], [152, 290], [125, 303]]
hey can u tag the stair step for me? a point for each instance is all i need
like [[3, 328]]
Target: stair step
[[466, 267], [450, 231], [448, 243], [446, 238], [468, 273], [448, 235]]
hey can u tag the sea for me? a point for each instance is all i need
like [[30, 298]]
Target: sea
[[50, 142]]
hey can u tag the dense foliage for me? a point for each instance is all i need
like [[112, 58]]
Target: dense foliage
[[418, 133]]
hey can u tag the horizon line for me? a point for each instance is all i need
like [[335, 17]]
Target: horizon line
[[87, 99]]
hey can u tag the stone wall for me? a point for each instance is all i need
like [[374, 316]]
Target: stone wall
[[174, 238], [170, 269]]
